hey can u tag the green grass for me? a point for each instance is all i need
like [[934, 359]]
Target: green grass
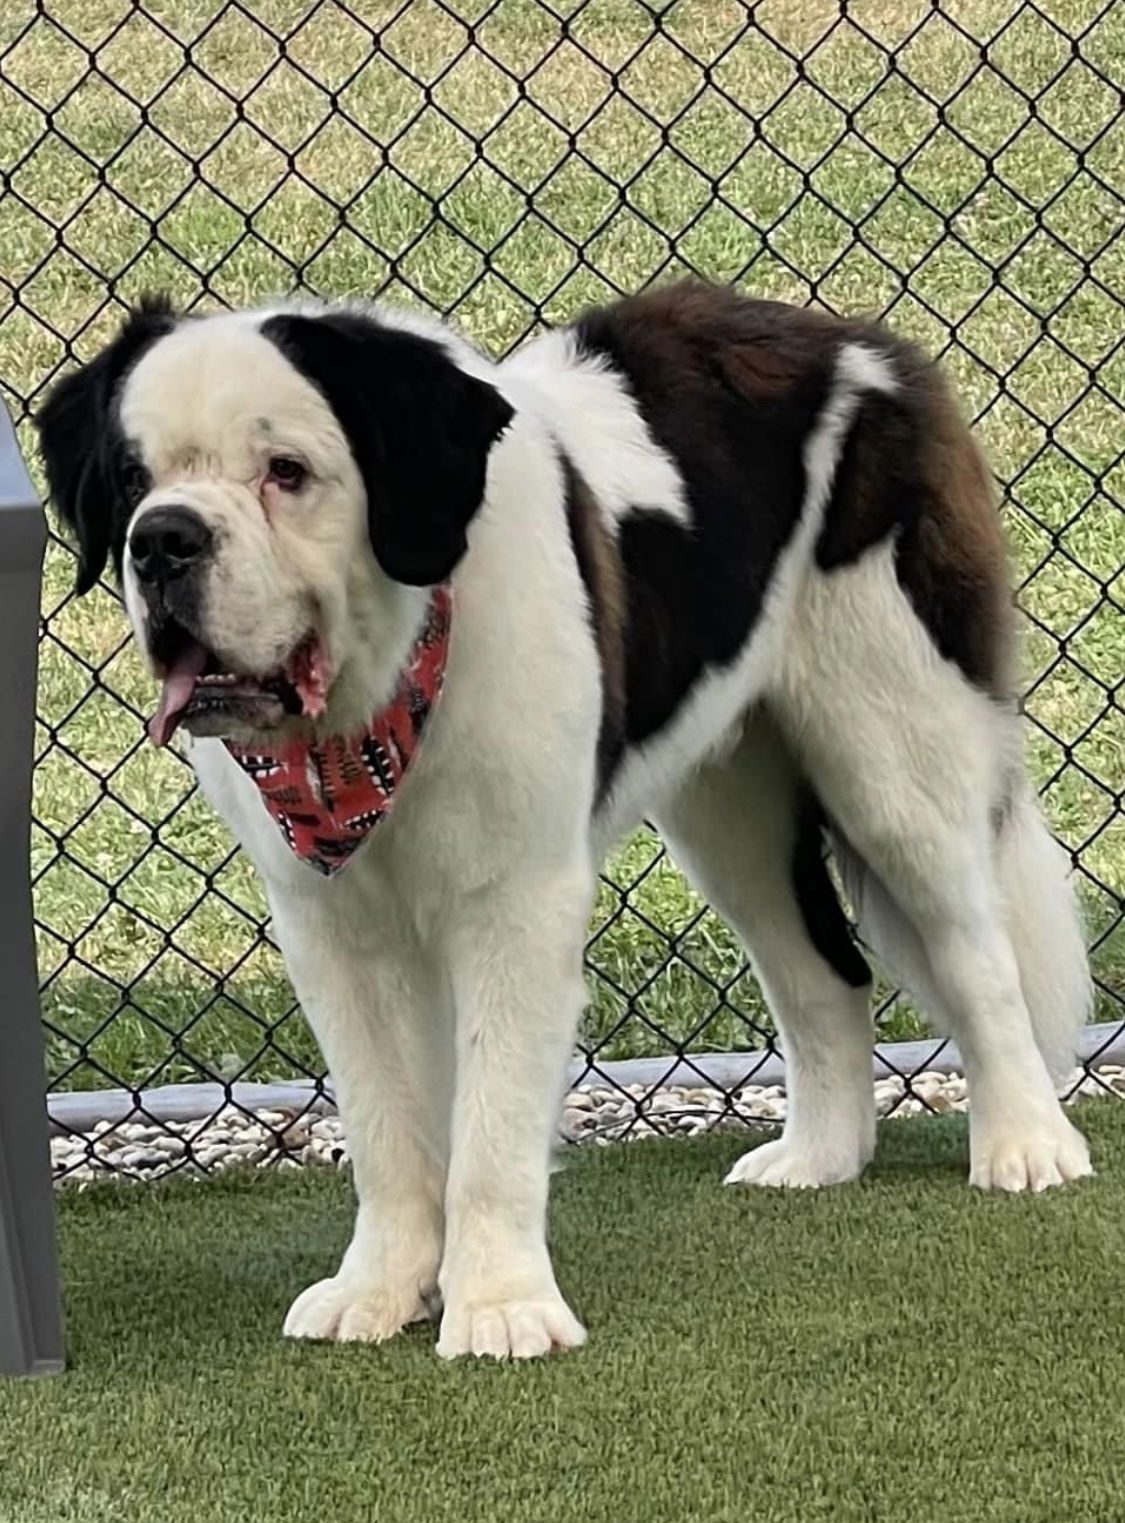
[[1032, 260], [899, 1348]]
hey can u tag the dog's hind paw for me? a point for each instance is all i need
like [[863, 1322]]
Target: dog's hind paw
[[790, 1165]]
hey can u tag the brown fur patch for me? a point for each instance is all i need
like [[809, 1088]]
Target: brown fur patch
[[730, 388], [599, 565], [956, 571], [910, 466], [756, 350]]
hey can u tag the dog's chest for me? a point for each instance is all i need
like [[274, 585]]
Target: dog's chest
[[417, 861]]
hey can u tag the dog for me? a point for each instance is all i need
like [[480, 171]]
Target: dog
[[437, 631]]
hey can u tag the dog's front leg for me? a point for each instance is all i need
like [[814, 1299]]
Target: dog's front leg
[[377, 1014], [516, 965]]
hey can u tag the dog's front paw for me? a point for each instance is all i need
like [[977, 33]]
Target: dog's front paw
[[508, 1329], [350, 1309], [1028, 1156]]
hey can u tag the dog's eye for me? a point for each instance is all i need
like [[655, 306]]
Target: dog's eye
[[290, 475], [135, 482]]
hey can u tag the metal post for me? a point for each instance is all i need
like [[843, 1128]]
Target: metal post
[[31, 1336]]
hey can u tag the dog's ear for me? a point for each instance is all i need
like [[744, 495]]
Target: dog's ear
[[81, 443], [420, 429]]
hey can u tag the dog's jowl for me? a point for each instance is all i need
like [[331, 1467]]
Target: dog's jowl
[[435, 632]]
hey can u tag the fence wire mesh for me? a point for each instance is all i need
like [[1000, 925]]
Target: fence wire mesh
[[953, 166]]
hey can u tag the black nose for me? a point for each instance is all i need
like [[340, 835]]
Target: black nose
[[167, 543]]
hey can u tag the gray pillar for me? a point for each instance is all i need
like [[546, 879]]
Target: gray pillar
[[31, 1339]]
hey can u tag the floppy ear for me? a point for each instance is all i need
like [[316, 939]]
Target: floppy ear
[[419, 427], [82, 447]]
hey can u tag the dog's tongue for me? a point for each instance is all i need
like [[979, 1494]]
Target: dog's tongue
[[308, 672], [175, 695]]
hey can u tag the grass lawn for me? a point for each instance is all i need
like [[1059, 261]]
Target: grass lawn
[[394, 154], [902, 1348]]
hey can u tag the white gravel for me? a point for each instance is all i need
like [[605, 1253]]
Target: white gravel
[[592, 1114]]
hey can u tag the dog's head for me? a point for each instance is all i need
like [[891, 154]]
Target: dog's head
[[273, 490]]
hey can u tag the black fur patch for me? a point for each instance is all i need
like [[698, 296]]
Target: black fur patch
[[94, 478], [825, 921], [729, 389], [420, 430]]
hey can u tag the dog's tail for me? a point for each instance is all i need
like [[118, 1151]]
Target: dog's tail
[[1043, 922], [1040, 914]]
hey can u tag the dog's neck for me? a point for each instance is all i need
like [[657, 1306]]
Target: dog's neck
[[371, 640], [328, 794]]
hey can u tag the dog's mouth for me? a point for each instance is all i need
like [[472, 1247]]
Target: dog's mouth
[[198, 693]]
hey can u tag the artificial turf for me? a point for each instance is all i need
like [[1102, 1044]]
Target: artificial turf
[[903, 1348]]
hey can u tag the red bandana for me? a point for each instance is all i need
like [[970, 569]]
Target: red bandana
[[328, 796]]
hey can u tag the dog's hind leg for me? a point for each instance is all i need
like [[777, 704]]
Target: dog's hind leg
[[914, 764], [748, 833]]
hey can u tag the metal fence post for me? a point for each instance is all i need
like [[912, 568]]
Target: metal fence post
[[31, 1338]]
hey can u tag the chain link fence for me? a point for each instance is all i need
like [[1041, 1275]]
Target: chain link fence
[[953, 166]]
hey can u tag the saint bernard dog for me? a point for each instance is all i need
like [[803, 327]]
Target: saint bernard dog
[[438, 631]]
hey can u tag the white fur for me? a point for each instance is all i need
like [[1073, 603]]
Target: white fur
[[442, 971], [906, 758], [1041, 917], [590, 411], [861, 368], [741, 858]]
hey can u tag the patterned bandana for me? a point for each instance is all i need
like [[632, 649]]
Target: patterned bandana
[[327, 796]]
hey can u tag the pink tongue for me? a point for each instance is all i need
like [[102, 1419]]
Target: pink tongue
[[308, 672], [179, 684]]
